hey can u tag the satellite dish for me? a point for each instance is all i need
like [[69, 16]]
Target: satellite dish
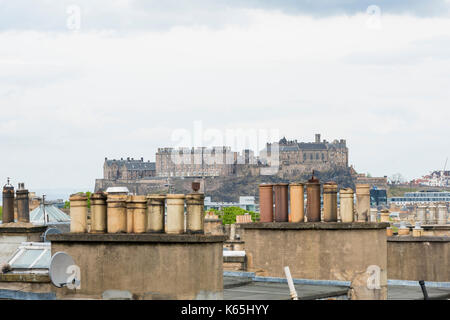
[[58, 269], [50, 231]]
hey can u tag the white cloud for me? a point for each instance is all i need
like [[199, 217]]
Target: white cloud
[[70, 99]]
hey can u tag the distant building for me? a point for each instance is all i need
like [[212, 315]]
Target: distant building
[[288, 157], [421, 197], [373, 182], [434, 179], [128, 169], [246, 203], [298, 157], [195, 162], [378, 197]]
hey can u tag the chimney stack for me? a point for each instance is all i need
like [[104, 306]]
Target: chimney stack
[[362, 202], [8, 203], [317, 137], [330, 202], [23, 204], [266, 202], [297, 192], [313, 199], [281, 202]]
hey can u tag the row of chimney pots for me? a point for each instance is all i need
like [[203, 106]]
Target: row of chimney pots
[[280, 191], [116, 213], [23, 205]]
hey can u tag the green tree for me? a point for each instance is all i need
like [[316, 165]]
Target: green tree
[[1, 212], [88, 195], [228, 215]]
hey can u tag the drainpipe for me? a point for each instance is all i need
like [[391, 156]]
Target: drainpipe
[[290, 282], [424, 290]]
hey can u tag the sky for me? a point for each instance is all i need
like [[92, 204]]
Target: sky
[[85, 80]]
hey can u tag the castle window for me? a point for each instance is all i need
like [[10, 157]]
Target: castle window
[[323, 157], [311, 157], [317, 156], [304, 157]]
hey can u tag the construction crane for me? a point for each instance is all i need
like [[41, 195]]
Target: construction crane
[[443, 172]]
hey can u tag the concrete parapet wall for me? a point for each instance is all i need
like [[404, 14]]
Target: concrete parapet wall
[[12, 235], [321, 251], [436, 230], [419, 258], [149, 266]]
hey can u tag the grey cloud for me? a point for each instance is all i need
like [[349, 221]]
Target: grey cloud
[[157, 14]]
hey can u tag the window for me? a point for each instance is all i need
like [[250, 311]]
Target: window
[[32, 256]]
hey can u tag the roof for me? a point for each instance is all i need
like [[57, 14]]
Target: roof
[[138, 165], [133, 164], [53, 214], [312, 146], [117, 190]]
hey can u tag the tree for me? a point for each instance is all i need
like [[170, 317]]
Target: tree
[[1, 212], [228, 215], [88, 195], [397, 178]]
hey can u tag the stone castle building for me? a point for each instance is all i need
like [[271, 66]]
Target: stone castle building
[[128, 169], [291, 157], [201, 161], [298, 157]]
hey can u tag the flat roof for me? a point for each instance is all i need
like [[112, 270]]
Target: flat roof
[[246, 288], [315, 225], [236, 288]]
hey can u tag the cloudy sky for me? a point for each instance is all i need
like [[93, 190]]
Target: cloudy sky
[[85, 80]]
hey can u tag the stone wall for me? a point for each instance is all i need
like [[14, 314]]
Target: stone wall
[[321, 251], [25, 287], [419, 258], [149, 266], [12, 236]]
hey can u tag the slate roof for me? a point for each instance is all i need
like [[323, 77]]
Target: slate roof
[[133, 164], [312, 146], [53, 213]]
